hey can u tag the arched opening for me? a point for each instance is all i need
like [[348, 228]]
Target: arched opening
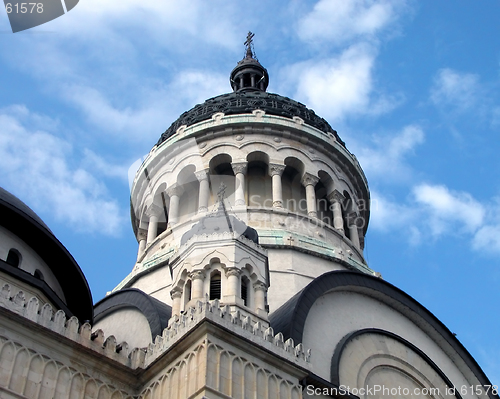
[[294, 193], [14, 258], [161, 200], [188, 204], [347, 207], [221, 171], [259, 185], [244, 290], [187, 293], [215, 286], [39, 275], [325, 213]]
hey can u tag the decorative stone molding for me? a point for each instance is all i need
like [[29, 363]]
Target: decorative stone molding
[[309, 180], [174, 190], [197, 275], [259, 286], [176, 293], [153, 210], [354, 219], [275, 169], [33, 374], [232, 271], [234, 322], [335, 195], [202, 175], [142, 234], [240, 167]]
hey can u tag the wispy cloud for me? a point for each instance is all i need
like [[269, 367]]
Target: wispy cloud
[[447, 209], [38, 165], [455, 89], [336, 87], [338, 21], [386, 157]]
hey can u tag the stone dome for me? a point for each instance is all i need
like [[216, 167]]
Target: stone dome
[[23, 222]]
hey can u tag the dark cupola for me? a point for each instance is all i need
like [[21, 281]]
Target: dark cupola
[[249, 74]]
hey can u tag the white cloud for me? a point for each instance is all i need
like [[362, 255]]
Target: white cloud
[[448, 209], [456, 89], [336, 87], [37, 166], [155, 108], [386, 158], [341, 20]]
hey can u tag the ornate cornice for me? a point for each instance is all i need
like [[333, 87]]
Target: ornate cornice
[[174, 190], [246, 103], [335, 195], [239, 167], [154, 210], [275, 169], [201, 175], [309, 180]]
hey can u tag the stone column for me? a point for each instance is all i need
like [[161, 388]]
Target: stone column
[[309, 181], [276, 171], [232, 275], [174, 192], [353, 229], [141, 236], [239, 169], [336, 199], [153, 212], [260, 295], [204, 194], [176, 295], [197, 278]]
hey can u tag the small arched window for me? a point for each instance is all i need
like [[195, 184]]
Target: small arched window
[[244, 291], [38, 274], [14, 258], [187, 293], [215, 286]]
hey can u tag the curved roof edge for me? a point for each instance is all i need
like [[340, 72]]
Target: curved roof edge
[[156, 312], [335, 364], [245, 103], [290, 318], [22, 221]]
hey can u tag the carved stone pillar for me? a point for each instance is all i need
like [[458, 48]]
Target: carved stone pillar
[[142, 236], [260, 295], [197, 278], [276, 171], [176, 295], [353, 229], [336, 199], [174, 192], [239, 169], [233, 279], [204, 193], [309, 181], [153, 212]]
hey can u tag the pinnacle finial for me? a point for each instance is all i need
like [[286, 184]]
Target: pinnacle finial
[[250, 53]]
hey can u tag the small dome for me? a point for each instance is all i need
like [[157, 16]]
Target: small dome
[[249, 74], [21, 221]]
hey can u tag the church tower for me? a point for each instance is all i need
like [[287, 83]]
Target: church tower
[[287, 174], [250, 282]]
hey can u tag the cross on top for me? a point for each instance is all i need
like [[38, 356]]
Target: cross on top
[[249, 44], [221, 193]]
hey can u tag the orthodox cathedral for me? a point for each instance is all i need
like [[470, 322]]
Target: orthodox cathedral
[[250, 282]]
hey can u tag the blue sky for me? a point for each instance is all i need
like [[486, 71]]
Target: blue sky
[[411, 87]]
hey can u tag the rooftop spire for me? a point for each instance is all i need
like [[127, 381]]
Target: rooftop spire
[[250, 52], [249, 74]]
